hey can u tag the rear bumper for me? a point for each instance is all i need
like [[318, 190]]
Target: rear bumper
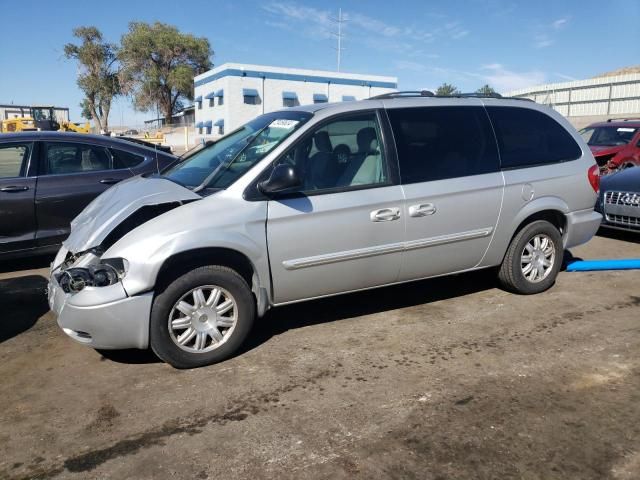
[[102, 317], [581, 227]]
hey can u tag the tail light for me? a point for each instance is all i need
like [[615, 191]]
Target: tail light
[[594, 177]]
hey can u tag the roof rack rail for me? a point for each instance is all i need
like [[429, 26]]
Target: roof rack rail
[[408, 93], [430, 94], [631, 119], [475, 95]]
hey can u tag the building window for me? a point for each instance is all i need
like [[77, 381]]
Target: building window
[[320, 98], [220, 100], [220, 125], [290, 99], [251, 96], [348, 98], [198, 100], [212, 98]]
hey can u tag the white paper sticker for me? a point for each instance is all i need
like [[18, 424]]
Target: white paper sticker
[[625, 129], [283, 123]]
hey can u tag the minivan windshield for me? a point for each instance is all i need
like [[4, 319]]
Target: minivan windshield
[[220, 164], [607, 136]]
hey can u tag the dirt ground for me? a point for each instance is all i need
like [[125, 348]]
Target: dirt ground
[[442, 379]]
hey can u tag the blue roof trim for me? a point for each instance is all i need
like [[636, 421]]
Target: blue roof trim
[[233, 72], [249, 92], [220, 93], [198, 99], [289, 95], [348, 98], [209, 96], [199, 124], [208, 124], [219, 123], [320, 97]]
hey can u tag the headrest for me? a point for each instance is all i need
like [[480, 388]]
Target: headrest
[[365, 137], [323, 142]]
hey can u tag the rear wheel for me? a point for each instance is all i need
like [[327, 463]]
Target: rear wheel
[[201, 317], [533, 259]]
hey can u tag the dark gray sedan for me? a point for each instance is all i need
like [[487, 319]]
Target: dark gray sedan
[[47, 178]]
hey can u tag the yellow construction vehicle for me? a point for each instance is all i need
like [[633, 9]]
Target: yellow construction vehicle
[[41, 118], [19, 124]]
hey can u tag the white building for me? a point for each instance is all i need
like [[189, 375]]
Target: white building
[[232, 94], [587, 101]]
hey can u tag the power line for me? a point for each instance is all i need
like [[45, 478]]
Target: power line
[[339, 35]]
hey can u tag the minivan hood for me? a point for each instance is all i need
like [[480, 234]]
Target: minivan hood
[[111, 208]]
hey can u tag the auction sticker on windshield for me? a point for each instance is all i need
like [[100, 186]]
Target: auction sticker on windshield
[[284, 123]]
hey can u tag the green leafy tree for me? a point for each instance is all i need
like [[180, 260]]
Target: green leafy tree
[[97, 73], [486, 90], [159, 63], [446, 90], [86, 111]]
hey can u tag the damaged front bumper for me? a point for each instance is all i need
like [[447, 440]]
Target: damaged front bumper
[[100, 317]]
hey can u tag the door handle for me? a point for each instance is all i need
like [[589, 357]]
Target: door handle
[[385, 214], [109, 181], [422, 210], [14, 188]]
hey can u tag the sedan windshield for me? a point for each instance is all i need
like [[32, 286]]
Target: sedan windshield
[[607, 136], [220, 164]]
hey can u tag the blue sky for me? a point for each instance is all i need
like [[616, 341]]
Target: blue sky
[[507, 44]]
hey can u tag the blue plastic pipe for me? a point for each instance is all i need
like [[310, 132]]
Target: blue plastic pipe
[[589, 265]]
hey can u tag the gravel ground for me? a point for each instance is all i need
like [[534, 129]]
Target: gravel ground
[[445, 378]]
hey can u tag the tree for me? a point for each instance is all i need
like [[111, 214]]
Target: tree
[[486, 90], [86, 111], [98, 75], [447, 90], [159, 63]]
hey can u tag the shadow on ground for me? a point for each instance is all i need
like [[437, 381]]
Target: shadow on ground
[[633, 237], [130, 356], [23, 301], [29, 263], [379, 300]]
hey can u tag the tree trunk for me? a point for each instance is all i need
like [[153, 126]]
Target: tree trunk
[[94, 114], [106, 108]]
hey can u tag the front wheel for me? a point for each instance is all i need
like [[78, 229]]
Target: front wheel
[[201, 317], [533, 259]]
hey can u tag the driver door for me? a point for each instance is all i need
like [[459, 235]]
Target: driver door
[[344, 230]]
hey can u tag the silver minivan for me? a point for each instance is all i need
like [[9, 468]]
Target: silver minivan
[[320, 200]]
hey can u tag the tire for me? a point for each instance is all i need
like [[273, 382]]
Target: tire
[[514, 275], [219, 329]]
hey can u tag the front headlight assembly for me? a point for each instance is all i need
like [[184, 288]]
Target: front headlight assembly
[[108, 272]]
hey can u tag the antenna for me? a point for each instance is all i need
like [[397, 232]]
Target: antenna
[[339, 35]]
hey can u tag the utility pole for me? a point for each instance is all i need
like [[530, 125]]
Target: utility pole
[[339, 35]]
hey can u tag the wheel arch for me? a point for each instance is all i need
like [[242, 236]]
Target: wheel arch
[[182, 262]]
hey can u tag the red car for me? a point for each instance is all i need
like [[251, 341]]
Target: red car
[[615, 143]]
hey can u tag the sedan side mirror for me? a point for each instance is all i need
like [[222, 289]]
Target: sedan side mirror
[[283, 178]]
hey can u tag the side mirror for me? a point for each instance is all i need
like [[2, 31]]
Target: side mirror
[[283, 178]]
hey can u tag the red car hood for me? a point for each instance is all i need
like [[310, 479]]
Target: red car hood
[[599, 150]]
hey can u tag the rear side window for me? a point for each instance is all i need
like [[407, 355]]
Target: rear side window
[[122, 159], [528, 137], [436, 143], [68, 158]]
